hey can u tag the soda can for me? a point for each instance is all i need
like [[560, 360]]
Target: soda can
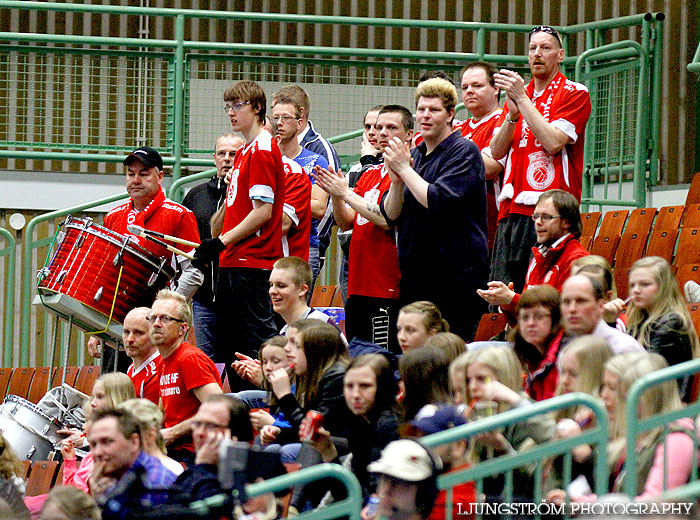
[[310, 425]]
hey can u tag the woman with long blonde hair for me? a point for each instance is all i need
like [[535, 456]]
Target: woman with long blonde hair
[[658, 315], [11, 482]]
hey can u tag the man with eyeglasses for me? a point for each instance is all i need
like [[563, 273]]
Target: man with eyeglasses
[[149, 208], [557, 224], [542, 135], [188, 375], [289, 105], [204, 200], [251, 238]]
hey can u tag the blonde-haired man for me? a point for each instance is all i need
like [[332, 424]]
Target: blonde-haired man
[[437, 200]]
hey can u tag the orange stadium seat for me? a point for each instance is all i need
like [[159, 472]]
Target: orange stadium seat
[[586, 241], [490, 325], [71, 374], [41, 478], [691, 215], [20, 381], [590, 222], [606, 242], [687, 272], [86, 378], [688, 251], [693, 196], [632, 244], [323, 295], [40, 383], [662, 241], [5, 374]]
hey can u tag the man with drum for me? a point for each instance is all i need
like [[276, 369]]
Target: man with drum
[[146, 364], [542, 135], [148, 208]]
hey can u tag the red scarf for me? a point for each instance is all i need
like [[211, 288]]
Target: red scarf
[[140, 217]]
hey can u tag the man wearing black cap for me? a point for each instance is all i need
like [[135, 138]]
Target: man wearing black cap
[[148, 208]]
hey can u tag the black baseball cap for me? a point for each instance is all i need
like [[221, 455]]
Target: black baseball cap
[[147, 155]]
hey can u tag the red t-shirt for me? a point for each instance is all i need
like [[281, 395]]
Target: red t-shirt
[[531, 170], [183, 370], [481, 132], [297, 206], [373, 261], [463, 496], [171, 219], [257, 173], [146, 378]]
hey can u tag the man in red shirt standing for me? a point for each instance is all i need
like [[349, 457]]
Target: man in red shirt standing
[[146, 364], [188, 375], [251, 236], [542, 135], [373, 267]]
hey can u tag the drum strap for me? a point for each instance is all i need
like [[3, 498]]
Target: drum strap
[[114, 302]]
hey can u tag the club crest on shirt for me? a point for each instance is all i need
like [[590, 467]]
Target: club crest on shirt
[[232, 188], [540, 171]]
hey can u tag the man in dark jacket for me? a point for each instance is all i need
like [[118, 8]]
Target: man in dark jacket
[[204, 199]]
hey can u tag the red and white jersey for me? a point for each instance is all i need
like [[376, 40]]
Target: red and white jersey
[[373, 263], [170, 218], [530, 170], [146, 378], [297, 206], [183, 370], [258, 174], [481, 132]]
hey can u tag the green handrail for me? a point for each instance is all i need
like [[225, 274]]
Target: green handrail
[[175, 187], [596, 436], [27, 276], [637, 426], [10, 251], [640, 134]]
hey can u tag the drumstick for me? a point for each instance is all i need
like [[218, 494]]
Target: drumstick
[[167, 246], [139, 231]]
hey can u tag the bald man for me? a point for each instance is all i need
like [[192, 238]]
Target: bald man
[[146, 364]]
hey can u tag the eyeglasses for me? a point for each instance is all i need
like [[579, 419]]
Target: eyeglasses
[[546, 29], [545, 218], [164, 319], [537, 316], [284, 119], [209, 426], [236, 106]]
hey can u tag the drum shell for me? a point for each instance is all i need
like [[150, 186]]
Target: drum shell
[[17, 413], [86, 267]]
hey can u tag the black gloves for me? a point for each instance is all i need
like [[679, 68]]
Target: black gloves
[[207, 251]]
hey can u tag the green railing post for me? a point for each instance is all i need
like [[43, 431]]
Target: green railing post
[[28, 277], [654, 132], [178, 133], [636, 426], [9, 326], [175, 188]]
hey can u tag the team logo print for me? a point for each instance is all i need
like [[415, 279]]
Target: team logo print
[[540, 172], [232, 188]]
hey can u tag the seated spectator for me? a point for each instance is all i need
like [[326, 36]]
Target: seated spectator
[[12, 485], [597, 266], [69, 503], [434, 418], [580, 368], [658, 315], [451, 343], [108, 391], [537, 339], [418, 321], [146, 363], [424, 378], [290, 281], [494, 385], [150, 419], [406, 480], [370, 391], [582, 309], [665, 454], [319, 356], [219, 417], [125, 478]]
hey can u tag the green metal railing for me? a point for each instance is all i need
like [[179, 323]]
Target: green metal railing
[[597, 437], [637, 426], [10, 251]]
